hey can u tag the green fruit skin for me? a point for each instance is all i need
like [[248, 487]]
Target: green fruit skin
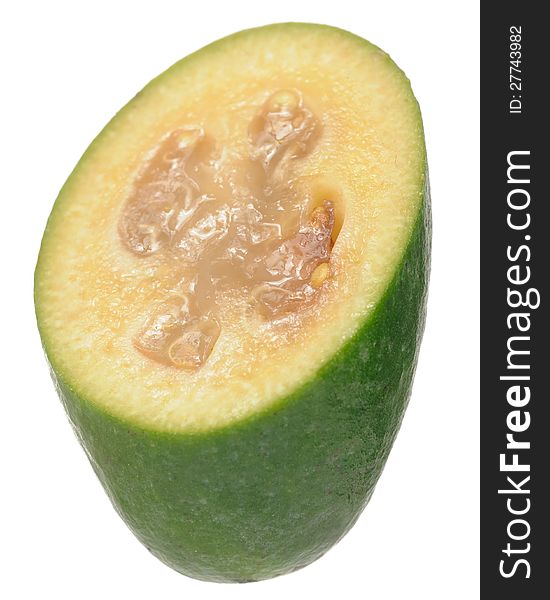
[[270, 494]]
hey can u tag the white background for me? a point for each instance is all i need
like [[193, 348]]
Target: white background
[[67, 67]]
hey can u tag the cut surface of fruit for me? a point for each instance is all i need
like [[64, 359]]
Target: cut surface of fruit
[[223, 240], [199, 176]]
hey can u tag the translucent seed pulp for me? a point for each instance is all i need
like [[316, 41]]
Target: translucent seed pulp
[[222, 222]]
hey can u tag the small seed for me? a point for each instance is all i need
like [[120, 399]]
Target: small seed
[[319, 275]]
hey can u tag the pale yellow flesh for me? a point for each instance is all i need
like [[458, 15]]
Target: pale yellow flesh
[[370, 162]]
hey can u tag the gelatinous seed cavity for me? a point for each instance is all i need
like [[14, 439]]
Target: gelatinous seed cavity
[[321, 190], [172, 334], [230, 224], [195, 344], [282, 130], [288, 272], [162, 326], [165, 193]]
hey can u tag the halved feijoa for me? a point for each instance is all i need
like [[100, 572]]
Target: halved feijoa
[[231, 292]]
